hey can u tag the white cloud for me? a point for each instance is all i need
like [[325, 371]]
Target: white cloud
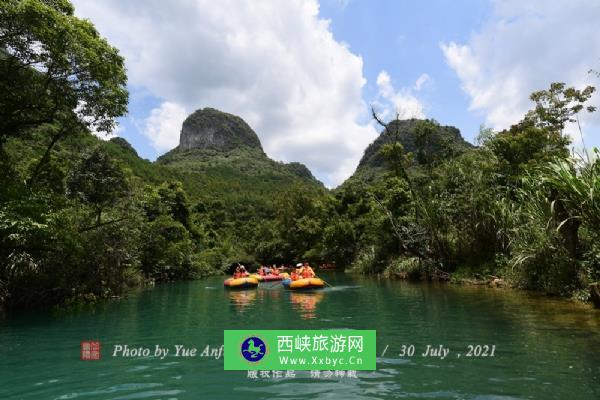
[[107, 136], [422, 82], [523, 48], [402, 102], [163, 125], [274, 63]]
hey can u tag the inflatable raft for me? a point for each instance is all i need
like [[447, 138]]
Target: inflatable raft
[[304, 284], [241, 283], [269, 278]]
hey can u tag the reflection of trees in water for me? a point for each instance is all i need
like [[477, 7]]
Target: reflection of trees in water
[[306, 303], [527, 327], [241, 299]]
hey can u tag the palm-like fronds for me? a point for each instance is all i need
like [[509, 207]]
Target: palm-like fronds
[[575, 183]]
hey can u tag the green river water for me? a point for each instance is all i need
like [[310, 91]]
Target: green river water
[[545, 348]]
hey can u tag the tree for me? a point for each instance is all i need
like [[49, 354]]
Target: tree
[[97, 181], [56, 69], [339, 240], [167, 250], [539, 137], [431, 146], [558, 105], [173, 197], [301, 216], [524, 146], [393, 153]]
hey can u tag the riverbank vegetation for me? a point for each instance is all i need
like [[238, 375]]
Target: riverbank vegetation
[[520, 207], [79, 218], [83, 218]]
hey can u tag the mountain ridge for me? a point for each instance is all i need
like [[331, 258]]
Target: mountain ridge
[[213, 141]]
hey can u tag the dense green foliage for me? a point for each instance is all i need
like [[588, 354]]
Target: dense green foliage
[[89, 227], [79, 218], [56, 70], [519, 206]]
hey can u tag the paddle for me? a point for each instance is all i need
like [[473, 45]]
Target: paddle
[[327, 283]]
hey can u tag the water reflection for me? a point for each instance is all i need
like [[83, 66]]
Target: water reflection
[[306, 303], [242, 299]]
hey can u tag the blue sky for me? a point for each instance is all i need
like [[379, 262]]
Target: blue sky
[[403, 38], [304, 73]]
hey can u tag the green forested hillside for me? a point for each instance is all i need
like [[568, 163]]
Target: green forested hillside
[[426, 141], [234, 186], [222, 164]]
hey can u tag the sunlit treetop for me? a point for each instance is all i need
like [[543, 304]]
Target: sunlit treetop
[[55, 68]]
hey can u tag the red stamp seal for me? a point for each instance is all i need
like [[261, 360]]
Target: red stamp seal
[[90, 350]]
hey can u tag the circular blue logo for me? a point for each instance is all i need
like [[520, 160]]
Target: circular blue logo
[[253, 349]]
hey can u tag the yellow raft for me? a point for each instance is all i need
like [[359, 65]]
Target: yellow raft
[[305, 283], [241, 283]]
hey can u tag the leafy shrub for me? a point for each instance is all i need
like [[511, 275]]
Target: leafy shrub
[[406, 268]]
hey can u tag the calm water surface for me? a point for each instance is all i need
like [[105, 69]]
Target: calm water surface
[[545, 349]]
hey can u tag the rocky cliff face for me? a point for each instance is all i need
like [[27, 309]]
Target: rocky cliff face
[[213, 129], [227, 157]]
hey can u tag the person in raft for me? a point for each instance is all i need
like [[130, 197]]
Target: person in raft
[[307, 271], [240, 272], [297, 273], [261, 270], [275, 270]]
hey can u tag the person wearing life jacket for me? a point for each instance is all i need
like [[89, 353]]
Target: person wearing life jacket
[[296, 274], [243, 272], [237, 273], [275, 270], [261, 270], [307, 271]]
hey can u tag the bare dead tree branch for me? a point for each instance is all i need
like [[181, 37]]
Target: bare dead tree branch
[[377, 119]]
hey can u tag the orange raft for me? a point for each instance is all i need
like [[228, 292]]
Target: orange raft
[[304, 284], [241, 283]]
